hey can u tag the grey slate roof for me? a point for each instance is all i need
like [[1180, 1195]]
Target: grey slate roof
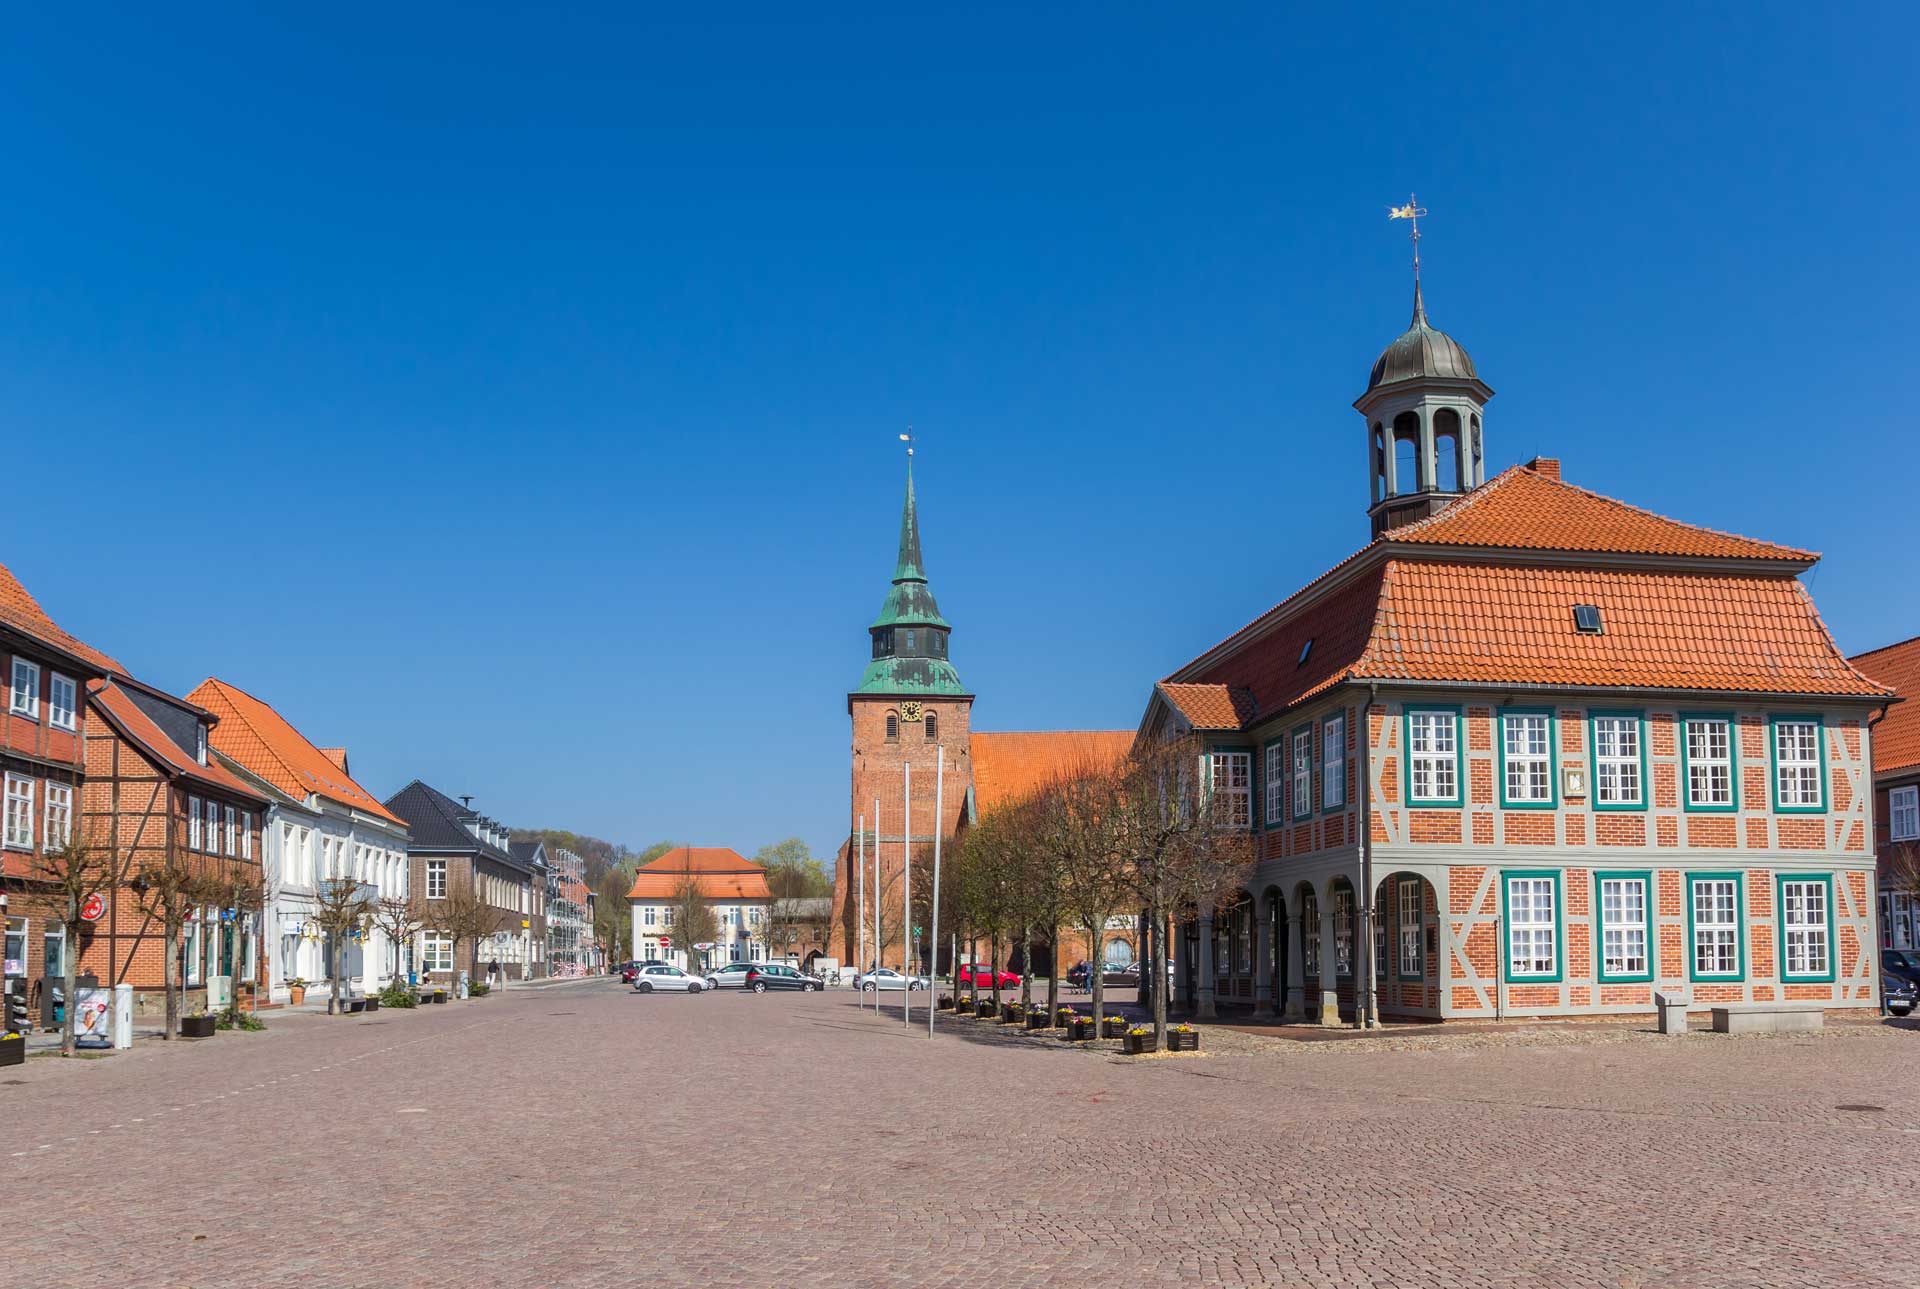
[[436, 822], [533, 854]]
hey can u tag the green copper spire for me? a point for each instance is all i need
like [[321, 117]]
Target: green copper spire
[[910, 636]]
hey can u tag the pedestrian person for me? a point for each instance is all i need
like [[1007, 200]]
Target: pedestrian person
[[493, 973]]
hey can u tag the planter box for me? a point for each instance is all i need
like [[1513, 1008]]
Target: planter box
[[1113, 1029], [1038, 1020], [13, 1052], [1012, 1014], [439, 995], [944, 1003], [373, 1004], [987, 1010], [1179, 1042], [296, 995], [196, 1027], [1080, 1031], [1139, 1044], [964, 1007], [355, 1005]]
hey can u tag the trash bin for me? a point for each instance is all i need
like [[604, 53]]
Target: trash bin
[[1671, 1010]]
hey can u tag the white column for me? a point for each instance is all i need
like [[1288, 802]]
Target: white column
[[1329, 968], [1296, 950]]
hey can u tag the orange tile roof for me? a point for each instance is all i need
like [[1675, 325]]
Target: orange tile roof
[[22, 612], [337, 755], [261, 741], [1896, 739], [1528, 507], [718, 873], [125, 715], [1212, 706], [1013, 765]]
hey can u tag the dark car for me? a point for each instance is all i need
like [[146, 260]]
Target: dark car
[[1901, 994], [1904, 963], [1126, 977], [776, 975]]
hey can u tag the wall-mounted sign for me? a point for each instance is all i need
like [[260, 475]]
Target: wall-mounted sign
[[94, 909]]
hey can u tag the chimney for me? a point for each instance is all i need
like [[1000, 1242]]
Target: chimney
[[1546, 466]]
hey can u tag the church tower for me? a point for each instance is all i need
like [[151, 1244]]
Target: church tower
[[1423, 407], [908, 707]]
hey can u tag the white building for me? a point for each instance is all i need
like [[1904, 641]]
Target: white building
[[730, 884]]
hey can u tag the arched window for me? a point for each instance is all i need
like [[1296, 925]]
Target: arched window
[[1446, 450], [932, 723], [1379, 461], [1408, 473], [1479, 471], [893, 728]]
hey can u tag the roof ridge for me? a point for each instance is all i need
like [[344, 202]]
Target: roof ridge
[[1669, 519], [1885, 648], [1472, 497], [247, 721]]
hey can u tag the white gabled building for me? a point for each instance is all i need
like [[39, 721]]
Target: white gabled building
[[727, 882]]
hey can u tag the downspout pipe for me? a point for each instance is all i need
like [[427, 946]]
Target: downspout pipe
[[1873, 800], [1370, 1012]]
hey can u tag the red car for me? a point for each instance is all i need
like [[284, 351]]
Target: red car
[[989, 978]]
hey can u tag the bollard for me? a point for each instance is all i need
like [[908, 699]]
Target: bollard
[[1672, 1012], [122, 1017]]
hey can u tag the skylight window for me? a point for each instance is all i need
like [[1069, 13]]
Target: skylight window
[[1586, 619], [1305, 649]]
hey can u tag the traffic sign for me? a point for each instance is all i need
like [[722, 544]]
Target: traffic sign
[[94, 909]]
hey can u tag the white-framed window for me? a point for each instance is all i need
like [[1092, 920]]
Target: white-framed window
[[63, 701], [436, 879], [59, 812], [246, 835], [1333, 762], [1527, 743], [1303, 772], [1230, 776], [1796, 765], [1903, 813], [436, 948], [1716, 927], [233, 831], [646, 916], [213, 828], [1623, 927], [193, 823], [1433, 751], [19, 834], [1412, 956], [1616, 761], [1533, 928], [25, 699], [1276, 781], [1343, 931], [1806, 928], [1709, 761]]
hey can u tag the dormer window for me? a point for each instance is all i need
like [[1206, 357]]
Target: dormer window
[[200, 743], [1305, 651], [1586, 619]]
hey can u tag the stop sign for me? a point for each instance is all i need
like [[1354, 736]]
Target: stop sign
[[94, 908]]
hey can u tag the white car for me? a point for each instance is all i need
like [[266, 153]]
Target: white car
[[888, 978], [666, 979], [732, 976]]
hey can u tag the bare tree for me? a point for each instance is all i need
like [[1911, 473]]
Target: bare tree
[[400, 920], [340, 907], [465, 917], [1081, 825], [61, 882], [693, 919], [243, 893], [169, 890]]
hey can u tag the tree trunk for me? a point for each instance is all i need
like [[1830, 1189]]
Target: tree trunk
[[1026, 977], [1159, 914], [1053, 977], [1097, 944], [333, 975], [973, 968], [170, 975], [993, 967]]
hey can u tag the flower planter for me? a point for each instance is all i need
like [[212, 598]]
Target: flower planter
[[1113, 1029], [1139, 1044], [296, 995], [1012, 1014], [944, 1003], [1080, 1030], [1039, 1020], [13, 1051], [1062, 1016], [964, 1006], [1183, 1041], [196, 1027], [373, 1004], [439, 995], [987, 1009]]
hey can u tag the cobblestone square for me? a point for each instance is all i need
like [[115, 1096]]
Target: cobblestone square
[[585, 1135]]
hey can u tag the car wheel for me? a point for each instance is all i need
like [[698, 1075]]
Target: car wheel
[[869, 987], [694, 989], [645, 986], [759, 986], [807, 988]]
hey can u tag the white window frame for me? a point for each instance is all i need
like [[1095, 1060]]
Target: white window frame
[[193, 823], [1903, 812], [1302, 763], [1413, 965], [1533, 928], [1802, 768], [1806, 928], [1310, 936], [1623, 901], [213, 828], [1433, 756], [246, 835], [436, 951], [1230, 776], [62, 716], [1333, 762], [1612, 766], [1277, 781], [58, 807], [1716, 935], [1529, 770], [24, 699], [436, 868], [233, 831], [1709, 761], [19, 817]]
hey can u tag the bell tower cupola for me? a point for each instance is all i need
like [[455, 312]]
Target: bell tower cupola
[[909, 638], [1423, 409]]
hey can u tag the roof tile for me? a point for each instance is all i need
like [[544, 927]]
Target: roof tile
[[1896, 739], [260, 740], [1012, 765]]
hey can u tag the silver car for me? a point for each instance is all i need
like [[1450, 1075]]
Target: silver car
[[731, 976], [886, 978], [665, 979]]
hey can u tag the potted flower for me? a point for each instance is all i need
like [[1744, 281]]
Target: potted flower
[[1079, 1028], [439, 995], [987, 1009], [944, 1002], [1012, 1014], [197, 1025], [1183, 1038], [13, 1049], [1139, 1040], [963, 1005], [1113, 1027], [1061, 1015], [1038, 1018], [296, 991]]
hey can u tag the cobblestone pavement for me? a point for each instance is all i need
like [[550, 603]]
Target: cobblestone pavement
[[586, 1135]]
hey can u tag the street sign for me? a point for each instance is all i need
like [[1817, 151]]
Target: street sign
[[94, 908]]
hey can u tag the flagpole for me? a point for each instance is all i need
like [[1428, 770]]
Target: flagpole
[[878, 948], [939, 826], [906, 893], [860, 880]]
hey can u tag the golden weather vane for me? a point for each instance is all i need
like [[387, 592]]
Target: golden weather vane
[[907, 439], [1413, 210]]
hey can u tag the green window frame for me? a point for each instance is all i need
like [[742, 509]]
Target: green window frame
[[1739, 972], [1558, 886], [1639, 718], [1600, 925], [1685, 740], [1552, 800], [1774, 723], [1299, 776], [1333, 803], [1825, 882], [1273, 812], [1458, 798]]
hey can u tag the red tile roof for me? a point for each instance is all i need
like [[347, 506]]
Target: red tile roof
[[1012, 765], [718, 872], [1530, 508], [1212, 706], [112, 702], [22, 612], [260, 740], [1896, 739]]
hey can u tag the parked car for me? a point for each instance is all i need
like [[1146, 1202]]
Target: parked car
[[1901, 994], [886, 978], [733, 975], [1129, 976], [776, 975], [1904, 963], [662, 977], [629, 971], [989, 978]]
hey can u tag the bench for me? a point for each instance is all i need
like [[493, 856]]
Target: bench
[[1768, 1018]]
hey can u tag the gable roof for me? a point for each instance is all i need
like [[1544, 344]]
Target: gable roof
[[437, 822], [1211, 706], [1010, 766], [530, 853], [1896, 739], [718, 873], [134, 725], [23, 613], [262, 742]]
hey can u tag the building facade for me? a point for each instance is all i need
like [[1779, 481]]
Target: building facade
[[455, 853], [1896, 793], [725, 881], [1530, 752], [569, 925]]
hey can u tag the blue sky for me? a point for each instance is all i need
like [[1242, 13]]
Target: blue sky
[[513, 397]]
